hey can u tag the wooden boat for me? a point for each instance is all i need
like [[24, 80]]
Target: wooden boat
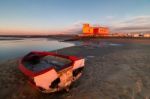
[[51, 72]]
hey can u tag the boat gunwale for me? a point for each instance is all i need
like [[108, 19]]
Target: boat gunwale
[[31, 73]]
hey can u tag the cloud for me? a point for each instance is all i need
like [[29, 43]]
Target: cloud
[[75, 28], [131, 24], [126, 24]]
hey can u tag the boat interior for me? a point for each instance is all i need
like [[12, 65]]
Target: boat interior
[[38, 63]]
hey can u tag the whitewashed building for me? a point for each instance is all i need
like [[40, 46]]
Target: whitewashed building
[[135, 35], [147, 35]]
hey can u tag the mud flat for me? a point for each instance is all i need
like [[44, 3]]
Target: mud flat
[[114, 70]]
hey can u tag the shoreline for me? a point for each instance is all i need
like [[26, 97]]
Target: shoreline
[[110, 72]]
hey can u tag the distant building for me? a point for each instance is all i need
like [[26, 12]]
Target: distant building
[[98, 31], [135, 35], [147, 35]]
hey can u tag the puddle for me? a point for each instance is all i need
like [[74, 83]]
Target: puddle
[[115, 44], [96, 44], [90, 56]]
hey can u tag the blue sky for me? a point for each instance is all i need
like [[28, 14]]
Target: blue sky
[[48, 16]]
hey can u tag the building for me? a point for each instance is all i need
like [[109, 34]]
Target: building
[[147, 35], [135, 35], [95, 31]]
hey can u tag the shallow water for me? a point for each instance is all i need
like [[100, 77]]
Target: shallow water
[[13, 48], [96, 44]]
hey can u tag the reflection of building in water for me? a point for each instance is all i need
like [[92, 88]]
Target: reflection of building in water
[[99, 31]]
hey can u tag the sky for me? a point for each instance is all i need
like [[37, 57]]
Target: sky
[[67, 16]]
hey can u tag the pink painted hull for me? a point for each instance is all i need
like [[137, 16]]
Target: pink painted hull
[[50, 79]]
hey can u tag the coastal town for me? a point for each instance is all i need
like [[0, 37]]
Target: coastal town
[[100, 31]]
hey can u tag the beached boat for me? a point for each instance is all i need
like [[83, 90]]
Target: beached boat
[[51, 72]]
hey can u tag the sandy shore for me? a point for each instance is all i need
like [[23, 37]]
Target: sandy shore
[[112, 72]]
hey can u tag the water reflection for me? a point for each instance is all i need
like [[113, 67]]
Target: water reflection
[[17, 48]]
